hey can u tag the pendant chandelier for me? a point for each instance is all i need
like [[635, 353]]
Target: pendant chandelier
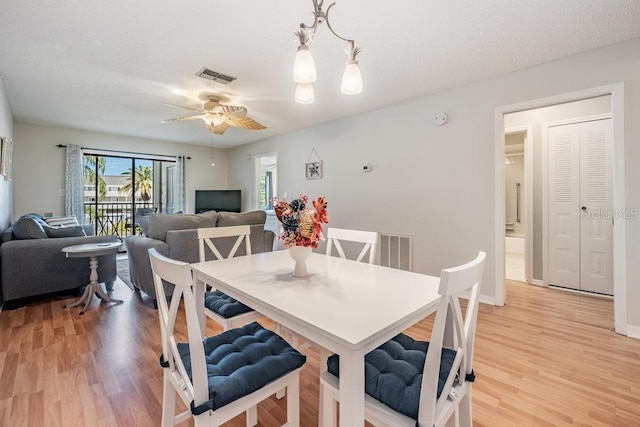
[[304, 67]]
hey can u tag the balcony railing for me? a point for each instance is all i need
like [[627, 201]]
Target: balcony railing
[[113, 218]]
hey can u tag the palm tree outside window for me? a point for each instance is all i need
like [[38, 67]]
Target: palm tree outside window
[[116, 187]]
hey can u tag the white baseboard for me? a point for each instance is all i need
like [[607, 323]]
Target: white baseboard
[[633, 332], [483, 298], [487, 300], [537, 282]]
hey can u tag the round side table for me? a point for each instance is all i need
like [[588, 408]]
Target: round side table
[[92, 251]]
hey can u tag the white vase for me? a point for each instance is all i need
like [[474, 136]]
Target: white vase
[[300, 255]]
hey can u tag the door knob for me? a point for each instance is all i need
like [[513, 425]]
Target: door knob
[[584, 208]]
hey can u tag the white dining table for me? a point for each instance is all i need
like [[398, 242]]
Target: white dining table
[[347, 307]]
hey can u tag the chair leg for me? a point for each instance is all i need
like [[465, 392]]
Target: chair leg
[[252, 416], [168, 401], [293, 402], [328, 412], [465, 418]]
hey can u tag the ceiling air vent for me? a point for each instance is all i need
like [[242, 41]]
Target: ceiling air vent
[[208, 74]]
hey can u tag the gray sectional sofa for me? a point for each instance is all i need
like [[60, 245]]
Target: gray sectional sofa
[[175, 236], [32, 262]]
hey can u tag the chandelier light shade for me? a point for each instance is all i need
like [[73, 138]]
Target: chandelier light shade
[[304, 67], [304, 93], [352, 79]]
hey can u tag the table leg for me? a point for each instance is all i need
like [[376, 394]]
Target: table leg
[[92, 287], [86, 296], [351, 389], [198, 293], [93, 277]]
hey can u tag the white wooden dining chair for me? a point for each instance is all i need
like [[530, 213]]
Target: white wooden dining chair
[[222, 376], [408, 381], [224, 310], [368, 238], [369, 242]]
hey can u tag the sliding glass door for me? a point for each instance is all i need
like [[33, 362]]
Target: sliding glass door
[[120, 190]]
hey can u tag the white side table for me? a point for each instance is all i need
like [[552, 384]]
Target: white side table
[[93, 251]]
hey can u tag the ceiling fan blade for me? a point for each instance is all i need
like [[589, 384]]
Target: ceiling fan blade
[[218, 130], [186, 108], [230, 110], [181, 119], [245, 123]]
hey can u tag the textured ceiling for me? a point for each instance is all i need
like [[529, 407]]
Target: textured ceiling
[[109, 66]]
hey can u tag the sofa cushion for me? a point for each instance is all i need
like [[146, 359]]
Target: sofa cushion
[[75, 231], [228, 219], [30, 226], [6, 235], [159, 224]]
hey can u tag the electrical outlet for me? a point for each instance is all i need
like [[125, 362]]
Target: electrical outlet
[[366, 167]]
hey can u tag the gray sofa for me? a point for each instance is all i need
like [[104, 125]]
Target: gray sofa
[[36, 266], [175, 236]]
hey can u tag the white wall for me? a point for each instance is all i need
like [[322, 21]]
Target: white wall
[[437, 183], [6, 187], [39, 164]]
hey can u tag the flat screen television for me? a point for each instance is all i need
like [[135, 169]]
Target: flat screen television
[[218, 200]]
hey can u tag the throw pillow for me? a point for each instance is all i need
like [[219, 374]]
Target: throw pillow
[[62, 221], [74, 231], [29, 227]]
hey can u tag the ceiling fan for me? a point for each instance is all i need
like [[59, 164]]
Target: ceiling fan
[[218, 117]]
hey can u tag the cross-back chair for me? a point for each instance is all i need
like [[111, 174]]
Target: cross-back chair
[[222, 376], [224, 310], [368, 238], [440, 371]]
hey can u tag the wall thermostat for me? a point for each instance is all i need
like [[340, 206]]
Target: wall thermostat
[[366, 167], [440, 119]]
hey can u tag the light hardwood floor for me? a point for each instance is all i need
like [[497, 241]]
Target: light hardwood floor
[[548, 358]]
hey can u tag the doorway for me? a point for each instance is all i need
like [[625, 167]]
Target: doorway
[[613, 96], [518, 203]]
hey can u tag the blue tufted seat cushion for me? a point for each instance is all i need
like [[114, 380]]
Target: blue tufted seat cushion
[[241, 361], [393, 372], [224, 305]]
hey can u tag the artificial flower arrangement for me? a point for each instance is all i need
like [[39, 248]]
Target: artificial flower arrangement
[[301, 225]]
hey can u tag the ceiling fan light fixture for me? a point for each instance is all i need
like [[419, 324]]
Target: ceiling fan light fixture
[[304, 93], [304, 67], [352, 79], [214, 121]]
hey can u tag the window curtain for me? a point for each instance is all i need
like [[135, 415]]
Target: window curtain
[[74, 184], [180, 185]]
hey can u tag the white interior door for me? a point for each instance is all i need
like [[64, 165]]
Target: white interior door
[[564, 206], [580, 254], [596, 219]]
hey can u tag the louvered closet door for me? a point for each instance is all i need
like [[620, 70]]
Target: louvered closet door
[[596, 191], [564, 206], [580, 254]]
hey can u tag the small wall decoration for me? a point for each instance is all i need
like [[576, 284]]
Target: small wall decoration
[[313, 169], [6, 158]]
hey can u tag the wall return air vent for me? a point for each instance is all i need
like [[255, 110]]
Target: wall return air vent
[[217, 77]]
